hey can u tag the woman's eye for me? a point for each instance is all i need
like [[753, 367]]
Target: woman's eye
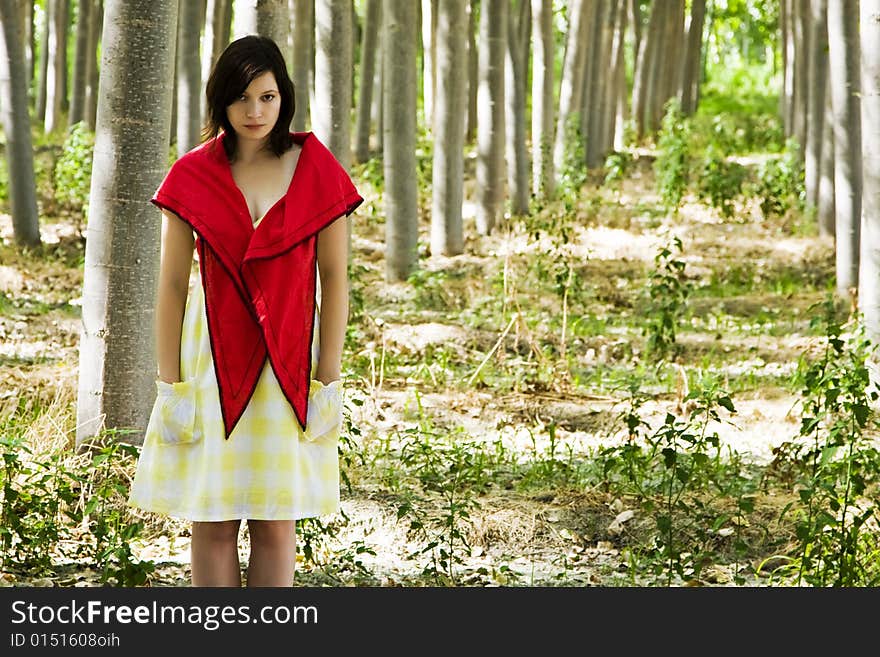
[[269, 97]]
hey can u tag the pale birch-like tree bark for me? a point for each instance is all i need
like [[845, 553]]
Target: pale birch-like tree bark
[[869, 269], [303, 67], [572, 80], [843, 67], [81, 52], [818, 67], [490, 114], [333, 60], [447, 235], [542, 98], [96, 23], [218, 18], [400, 25], [16, 124], [189, 76], [369, 40], [117, 363], [515, 73]]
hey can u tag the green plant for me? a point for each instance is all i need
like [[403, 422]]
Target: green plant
[[106, 513], [668, 292], [38, 495], [835, 544], [673, 162], [617, 166], [780, 182], [73, 170], [455, 472], [720, 180]]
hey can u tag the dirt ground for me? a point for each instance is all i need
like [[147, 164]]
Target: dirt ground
[[563, 537]]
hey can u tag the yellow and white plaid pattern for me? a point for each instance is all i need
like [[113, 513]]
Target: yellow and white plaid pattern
[[268, 469]]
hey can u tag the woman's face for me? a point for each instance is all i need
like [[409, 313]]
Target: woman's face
[[254, 113]]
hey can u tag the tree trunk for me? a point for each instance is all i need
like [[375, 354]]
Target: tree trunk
[[217, 14], [516, 70], [29, 41], [43, 70], [542, 98], [447, 236], [644, 68], [693, 55], [331, 119], [78, 92], [429, 59], [65, 82], [843, 70], [603, 81], [367, 74], [584, 89], [825, 197], [189, 77], [303, 61], [621, 113], [787, 96], [473, 75], [377, 113], [117, 364], [400, 23], [17, 128], [96, 25], [818, 66], [572, 79], [490, 114], [55, 49], [595, 60], [801, 22], [264, 17], [869, 273], [614, 90]]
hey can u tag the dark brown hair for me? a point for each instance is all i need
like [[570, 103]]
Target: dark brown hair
[[243, 60]]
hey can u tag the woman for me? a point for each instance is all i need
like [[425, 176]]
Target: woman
[[248, 410]]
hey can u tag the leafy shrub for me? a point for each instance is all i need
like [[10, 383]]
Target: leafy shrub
[[674, 159], [720, 180], [780, 182]]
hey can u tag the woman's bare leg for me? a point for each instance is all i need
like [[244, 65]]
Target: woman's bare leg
[[214, 553], [273, 552]]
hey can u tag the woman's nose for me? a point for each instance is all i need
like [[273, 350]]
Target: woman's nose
[[253, 109]]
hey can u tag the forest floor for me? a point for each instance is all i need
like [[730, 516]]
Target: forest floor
[[418, 359]]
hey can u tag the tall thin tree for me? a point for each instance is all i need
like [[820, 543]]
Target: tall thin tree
[[818, 66], [96, 24], [333, 61], [369, 41], [80, 65], [117, 363], [17, 128], [869, 270], [303, 60], [516, 71], [400, 25], [542, 98], [447, 235], [490, 113], [189, 76], [843, 67]]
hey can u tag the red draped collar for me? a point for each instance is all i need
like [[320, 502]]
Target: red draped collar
[[259, 282]]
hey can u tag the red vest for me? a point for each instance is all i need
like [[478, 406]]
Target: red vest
[[259, 282]]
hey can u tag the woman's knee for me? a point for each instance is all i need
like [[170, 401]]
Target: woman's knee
[[224, 531], [272, 532]]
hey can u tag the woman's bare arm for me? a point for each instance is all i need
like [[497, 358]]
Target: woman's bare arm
[[175, 263], [333, 269]]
